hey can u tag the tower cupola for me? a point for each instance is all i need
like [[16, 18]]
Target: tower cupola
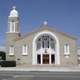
[[13, 13]]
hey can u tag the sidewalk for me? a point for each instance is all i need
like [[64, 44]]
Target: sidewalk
[[51, 69]]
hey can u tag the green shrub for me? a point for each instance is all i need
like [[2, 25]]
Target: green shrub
[[3, 54], [0, 62], [8, 64], [78, 60]]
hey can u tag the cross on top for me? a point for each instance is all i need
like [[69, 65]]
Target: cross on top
[[14, 7], [45, 23]]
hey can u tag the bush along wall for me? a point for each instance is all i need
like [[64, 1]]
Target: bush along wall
[[8, 64], [3, 55], [0, 62]]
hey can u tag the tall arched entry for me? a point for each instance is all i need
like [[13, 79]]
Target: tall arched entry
[[45, 49]]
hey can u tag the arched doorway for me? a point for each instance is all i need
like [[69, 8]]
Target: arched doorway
[[45, 49]]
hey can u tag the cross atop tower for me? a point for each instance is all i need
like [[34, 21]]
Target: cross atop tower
[[14, 7], [45, 23]]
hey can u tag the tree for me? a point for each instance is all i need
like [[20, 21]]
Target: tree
[[3, 55]]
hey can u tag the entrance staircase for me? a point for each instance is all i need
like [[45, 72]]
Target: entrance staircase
[[41, 66]]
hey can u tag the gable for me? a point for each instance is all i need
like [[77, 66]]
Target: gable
[[48, 28]]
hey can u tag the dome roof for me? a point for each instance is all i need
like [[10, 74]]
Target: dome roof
[[14, 13]]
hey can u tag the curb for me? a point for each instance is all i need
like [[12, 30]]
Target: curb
[[41, 69]]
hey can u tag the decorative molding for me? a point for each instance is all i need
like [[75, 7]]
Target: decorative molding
[[12, 32], [57, 55], [24, 54], [11, 54], [15, 22]]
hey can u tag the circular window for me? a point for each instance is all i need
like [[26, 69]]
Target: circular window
[[45, 39]]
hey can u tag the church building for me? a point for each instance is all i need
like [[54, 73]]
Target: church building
[[44, 45]]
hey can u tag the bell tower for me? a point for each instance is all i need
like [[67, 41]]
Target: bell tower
[[13, 21], [12, 33]]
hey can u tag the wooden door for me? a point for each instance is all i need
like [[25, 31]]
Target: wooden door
[[45, 59]]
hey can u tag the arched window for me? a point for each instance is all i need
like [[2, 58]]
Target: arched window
[[12, 26], [45, 42], [39, 44]]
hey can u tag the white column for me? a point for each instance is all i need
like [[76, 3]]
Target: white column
[[10, 26], [49, 58], [55, 54], [36, 59], [41, 59], [14, 27]]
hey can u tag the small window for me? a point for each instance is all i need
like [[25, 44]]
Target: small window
[[66, 49], [11, 50], [24, 49]]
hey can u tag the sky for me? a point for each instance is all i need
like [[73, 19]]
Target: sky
[[63, 15]]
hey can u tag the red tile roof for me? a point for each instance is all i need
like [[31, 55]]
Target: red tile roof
[[48, 28]]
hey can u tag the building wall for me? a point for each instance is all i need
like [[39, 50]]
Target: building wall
[[9, 41], [72, 60]]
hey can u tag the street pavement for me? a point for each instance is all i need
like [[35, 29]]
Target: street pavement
[[28, 75], [40, 73], [51, 69]]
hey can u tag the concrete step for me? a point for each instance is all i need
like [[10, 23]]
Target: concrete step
[[44, 65]]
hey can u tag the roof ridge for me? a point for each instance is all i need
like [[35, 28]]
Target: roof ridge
[[49, 28]]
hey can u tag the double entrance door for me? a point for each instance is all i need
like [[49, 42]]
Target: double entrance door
[[46, 59]]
